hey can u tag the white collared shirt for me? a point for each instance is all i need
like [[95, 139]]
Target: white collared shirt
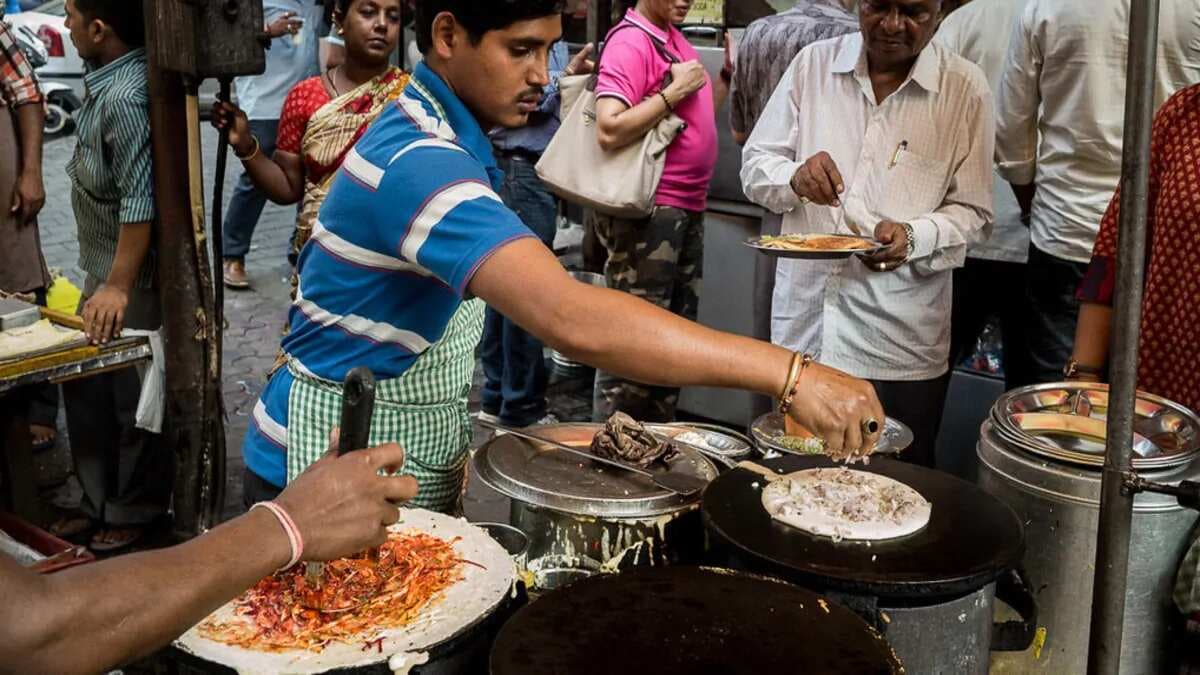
[[979, 31], [890, 325], [1068, 59]]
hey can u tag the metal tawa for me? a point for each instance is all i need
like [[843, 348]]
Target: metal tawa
[[687, 621], [768, 429]]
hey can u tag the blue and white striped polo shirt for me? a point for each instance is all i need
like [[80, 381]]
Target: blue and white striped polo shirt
[[411, 215]]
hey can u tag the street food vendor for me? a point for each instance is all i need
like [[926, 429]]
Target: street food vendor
[[94, 617], [412, 241], [879, 133]]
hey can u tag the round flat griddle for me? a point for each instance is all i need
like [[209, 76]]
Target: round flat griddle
[[971, 539], [687, 621]]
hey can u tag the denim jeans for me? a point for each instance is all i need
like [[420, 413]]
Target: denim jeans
[[1054, 311], [247, 202], [514, 366]]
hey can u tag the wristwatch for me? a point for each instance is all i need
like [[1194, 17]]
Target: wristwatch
[[910, 243], [1074, 369]]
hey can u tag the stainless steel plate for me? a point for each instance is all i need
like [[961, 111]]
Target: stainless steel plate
[[872, 247], [768, 429], [538, 474], [1067, 421]]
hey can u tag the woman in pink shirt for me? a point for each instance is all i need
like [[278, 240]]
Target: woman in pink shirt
[[658, 258]]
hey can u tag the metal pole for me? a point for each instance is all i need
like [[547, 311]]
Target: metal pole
[[1116, 504]]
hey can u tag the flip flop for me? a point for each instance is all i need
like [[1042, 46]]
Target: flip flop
[[132, 536], [45, 444], [73, 527]]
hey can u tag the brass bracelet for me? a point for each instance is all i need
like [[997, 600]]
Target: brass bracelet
[[793, 370], [785, 403], [252, 155]]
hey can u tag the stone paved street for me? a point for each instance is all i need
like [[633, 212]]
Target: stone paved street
[[255, 319]]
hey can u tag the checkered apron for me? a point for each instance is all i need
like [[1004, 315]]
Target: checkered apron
[[424, 410]]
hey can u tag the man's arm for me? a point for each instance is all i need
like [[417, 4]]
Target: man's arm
[[104, 313], [31, 193], [635, 339], [769, 157], [94, 617], [1017, 110]]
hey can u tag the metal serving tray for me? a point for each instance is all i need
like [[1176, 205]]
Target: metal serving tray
[[873, 247]]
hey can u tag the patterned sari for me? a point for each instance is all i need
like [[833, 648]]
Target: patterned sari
[[330, 134]]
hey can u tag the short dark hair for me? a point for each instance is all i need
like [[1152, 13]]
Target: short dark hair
[[480, 16], [123, 16]]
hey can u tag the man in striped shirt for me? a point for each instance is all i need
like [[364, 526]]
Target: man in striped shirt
[[413, 234], [126, 479]]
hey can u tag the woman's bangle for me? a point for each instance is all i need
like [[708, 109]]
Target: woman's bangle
[[253, 154], [667, 101], [785, 402]]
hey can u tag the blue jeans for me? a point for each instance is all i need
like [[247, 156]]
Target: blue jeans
[[513, 364], [247, 202], [1051, 285]]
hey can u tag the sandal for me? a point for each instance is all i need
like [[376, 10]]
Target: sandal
[[48, 436], [110, 539], [73, 527]]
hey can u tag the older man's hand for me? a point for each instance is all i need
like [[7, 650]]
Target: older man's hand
[[838, 408], [895, 235], [819, 181]]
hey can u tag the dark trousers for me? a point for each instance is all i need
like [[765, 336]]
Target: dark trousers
[[1051, 285], [125, 473], [984, 289], [247, 202], [764, 292], [43, 399], [514, 365], [255, 489], [659, 259], [918, 404]]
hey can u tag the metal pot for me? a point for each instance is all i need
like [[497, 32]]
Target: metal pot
[[582, 519], [1059, 504]]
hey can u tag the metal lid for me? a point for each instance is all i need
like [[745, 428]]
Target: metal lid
[[1067, 421], [768, 432], [538, 474], [711, 439]]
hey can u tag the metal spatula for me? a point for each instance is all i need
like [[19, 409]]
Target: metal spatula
[[679, 483], [358, 404]]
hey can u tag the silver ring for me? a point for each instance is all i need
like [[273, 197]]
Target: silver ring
[[870, 425]]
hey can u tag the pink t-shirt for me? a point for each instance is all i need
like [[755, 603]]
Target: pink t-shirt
[[632, 70]]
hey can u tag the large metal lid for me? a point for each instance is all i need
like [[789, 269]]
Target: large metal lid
[[687, 621], [1066, 421], [971, 539], [540, 475]]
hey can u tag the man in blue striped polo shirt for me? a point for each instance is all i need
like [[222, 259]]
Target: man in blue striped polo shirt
[[413, 237]]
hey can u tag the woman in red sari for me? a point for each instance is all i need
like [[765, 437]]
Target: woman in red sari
[[1169, 351], [323, 116]]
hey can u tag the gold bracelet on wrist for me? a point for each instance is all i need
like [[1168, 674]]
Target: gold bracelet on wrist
[[253, 154], [794, 368], [785, 401]]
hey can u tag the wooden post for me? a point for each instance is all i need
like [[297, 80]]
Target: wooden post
[[194, 426]]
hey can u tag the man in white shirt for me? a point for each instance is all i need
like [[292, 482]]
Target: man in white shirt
[[983, 288], [882, 133], [1059, 132]]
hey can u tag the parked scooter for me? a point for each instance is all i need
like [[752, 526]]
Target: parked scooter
[[61, 101]]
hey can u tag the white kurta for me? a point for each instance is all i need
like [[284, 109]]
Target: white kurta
[[923, 156]]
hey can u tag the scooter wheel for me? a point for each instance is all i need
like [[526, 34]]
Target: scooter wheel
[[58, 121]]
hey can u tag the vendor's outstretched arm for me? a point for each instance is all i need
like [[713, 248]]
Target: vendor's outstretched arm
[[91, 618], [635, 339]]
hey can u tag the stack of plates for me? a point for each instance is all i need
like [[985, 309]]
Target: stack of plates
[[1067, 421]]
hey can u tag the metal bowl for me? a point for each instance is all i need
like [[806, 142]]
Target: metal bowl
[[561, 361]]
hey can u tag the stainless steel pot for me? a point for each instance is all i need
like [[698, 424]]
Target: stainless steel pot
[[1059, 504]]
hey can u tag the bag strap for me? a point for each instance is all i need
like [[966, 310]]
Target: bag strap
[[659, 47]]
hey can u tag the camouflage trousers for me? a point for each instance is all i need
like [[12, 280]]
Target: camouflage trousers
[[659, 259]]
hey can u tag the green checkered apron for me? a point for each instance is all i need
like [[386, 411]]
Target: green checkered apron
[[424, 410]]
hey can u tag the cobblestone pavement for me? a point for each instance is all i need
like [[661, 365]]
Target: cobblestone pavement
[[255, 319]]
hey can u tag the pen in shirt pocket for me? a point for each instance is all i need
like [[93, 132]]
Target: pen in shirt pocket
[[896, 155]]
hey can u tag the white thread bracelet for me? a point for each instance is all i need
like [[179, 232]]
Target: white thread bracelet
[[289, 528]]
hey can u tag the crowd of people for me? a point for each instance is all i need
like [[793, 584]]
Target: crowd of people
[[981, 157]]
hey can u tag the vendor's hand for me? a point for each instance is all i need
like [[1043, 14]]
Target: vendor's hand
[[896, 254], [342, 505], [29, 197], [581, 64], [687, 78], [226, 115], [286, 24], [836, 407], [819, 181], [104, 313]]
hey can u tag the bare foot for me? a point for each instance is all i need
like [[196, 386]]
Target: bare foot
[[111, 539], [42, 437]]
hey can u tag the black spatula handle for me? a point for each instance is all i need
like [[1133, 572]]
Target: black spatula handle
[[358, 404]]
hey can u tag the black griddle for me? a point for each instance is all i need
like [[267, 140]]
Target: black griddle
[[687, 621], [971, 540]]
